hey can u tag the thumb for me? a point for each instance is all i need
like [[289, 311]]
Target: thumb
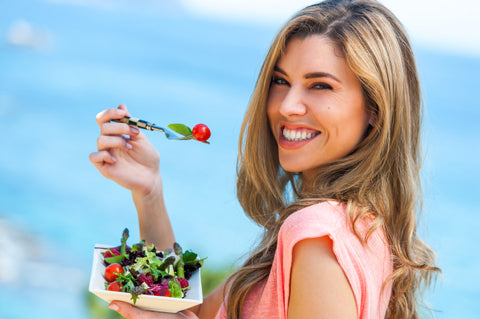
[[188, 314], [126, 310]]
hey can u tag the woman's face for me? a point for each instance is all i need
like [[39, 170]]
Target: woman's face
[[315, 107]]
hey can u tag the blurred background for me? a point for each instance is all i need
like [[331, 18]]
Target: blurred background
[[192, 61]]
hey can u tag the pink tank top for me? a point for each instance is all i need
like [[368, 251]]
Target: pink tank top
[[366, 267]]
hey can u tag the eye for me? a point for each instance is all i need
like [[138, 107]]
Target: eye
[[321, 86], [279, 81]]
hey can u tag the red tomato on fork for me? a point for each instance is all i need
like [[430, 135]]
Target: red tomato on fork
[[201, 132], [111, 270]]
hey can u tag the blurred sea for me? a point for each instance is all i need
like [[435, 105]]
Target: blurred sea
[[60, 65]]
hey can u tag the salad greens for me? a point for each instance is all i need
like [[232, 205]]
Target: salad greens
[[152, 272]]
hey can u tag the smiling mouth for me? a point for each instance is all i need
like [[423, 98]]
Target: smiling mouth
[[300, 134]]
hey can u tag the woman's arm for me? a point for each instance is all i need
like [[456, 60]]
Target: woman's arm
[[126, 156], [318, 285], [211, 304], [153, 221]]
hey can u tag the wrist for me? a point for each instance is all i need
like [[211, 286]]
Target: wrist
[[153, 220], [150, 193]]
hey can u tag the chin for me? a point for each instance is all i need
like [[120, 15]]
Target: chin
[[294, 167]]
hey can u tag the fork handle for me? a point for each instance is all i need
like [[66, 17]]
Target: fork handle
[[132, 121]]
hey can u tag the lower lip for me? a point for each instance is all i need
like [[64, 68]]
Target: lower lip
[[292, 145]]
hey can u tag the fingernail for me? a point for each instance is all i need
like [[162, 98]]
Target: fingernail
[[114, 307], [134, 130], [114, 159], [121, 112], [129, 146]]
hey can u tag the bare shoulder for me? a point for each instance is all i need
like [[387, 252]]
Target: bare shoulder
[[318, 285]]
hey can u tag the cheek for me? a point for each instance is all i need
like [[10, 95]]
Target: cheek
[[346, 123], [325, 111], [359, 123], [272, 109]]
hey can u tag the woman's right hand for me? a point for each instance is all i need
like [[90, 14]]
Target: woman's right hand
[[130, 312], [124, 153]]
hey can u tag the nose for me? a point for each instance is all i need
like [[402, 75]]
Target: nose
[[293, 103]]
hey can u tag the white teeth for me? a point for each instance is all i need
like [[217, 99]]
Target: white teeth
[[299, 135], [287, 135]]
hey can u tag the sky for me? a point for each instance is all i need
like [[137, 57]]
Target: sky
[[439, 24]]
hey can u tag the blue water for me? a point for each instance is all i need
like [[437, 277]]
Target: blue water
[[169, 66]]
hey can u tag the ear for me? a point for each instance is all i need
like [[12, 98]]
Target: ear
[[371, 110], [372, 119]]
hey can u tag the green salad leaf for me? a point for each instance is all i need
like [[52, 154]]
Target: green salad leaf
[[127, 280], [175, 288], [115, 259], [189, 257], [137, 291]]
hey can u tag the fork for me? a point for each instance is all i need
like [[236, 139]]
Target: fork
[[135, 122]]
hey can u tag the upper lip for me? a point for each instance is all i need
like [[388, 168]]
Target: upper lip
[[296, 126]]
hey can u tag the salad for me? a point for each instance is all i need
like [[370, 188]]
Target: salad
[[142, 269]]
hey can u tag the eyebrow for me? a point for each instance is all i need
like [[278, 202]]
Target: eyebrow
[[311, 75]]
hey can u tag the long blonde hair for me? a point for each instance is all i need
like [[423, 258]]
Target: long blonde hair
[[381, 177]]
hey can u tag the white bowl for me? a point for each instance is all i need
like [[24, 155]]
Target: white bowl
[[164, 304]]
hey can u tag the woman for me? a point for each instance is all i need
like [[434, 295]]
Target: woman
[[329, 165]]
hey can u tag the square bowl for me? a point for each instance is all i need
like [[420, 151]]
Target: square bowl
[[192, 298]]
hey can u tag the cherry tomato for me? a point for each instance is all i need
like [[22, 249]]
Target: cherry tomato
[[115, 286], [111, 270], [201, 132], [168, 294]]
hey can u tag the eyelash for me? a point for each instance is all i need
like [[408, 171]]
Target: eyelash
[[321, 86], [279, 81], [318, 86]]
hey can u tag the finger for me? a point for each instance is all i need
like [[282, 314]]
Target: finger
[[109, 114], [128, 311], [102, 157], [110, 128], [134, 132], [105, 142], [188, 314], [123, 107]]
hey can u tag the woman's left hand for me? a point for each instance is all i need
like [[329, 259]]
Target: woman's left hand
[[130, 312]]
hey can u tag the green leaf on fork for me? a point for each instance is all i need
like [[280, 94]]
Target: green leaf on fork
[[181, 129]]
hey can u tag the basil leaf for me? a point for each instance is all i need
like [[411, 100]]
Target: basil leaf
[[180, 129], [189, 256]]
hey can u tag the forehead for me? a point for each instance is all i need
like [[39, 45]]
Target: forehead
[[310, 51]]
